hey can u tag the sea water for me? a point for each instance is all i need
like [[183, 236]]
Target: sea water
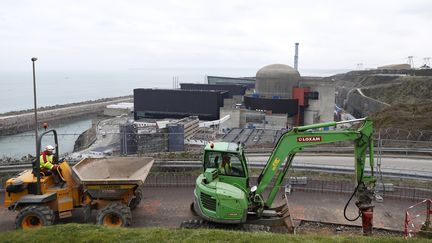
[[23, 144]]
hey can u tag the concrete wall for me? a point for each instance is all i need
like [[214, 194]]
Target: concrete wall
[[25, 122], [253, 118], [152, 142], [321, 110], [242, 118], [275, 121], [360, 105], [234, 120], [85, 139]]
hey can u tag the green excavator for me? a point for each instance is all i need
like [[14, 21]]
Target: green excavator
[[223, 195]]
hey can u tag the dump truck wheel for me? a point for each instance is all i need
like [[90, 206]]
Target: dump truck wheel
[[34, 216], [137, 199], [115, 215]]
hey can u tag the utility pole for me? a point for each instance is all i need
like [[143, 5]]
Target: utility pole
[[411, 61], [34, 59], [427, 61], [37, 171]]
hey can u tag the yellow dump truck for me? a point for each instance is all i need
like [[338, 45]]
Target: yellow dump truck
[[111, 186]]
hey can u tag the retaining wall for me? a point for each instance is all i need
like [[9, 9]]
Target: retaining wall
[[360, 105]]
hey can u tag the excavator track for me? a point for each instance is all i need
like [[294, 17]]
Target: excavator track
[[203, 224]]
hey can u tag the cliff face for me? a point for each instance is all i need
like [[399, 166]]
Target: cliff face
[[409, 99]]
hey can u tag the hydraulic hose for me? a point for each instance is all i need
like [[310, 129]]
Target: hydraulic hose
[[346, 205]]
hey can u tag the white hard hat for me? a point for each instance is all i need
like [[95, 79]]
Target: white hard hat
[[49, 147]]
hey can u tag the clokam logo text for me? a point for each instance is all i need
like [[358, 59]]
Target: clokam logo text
[[309, 139]]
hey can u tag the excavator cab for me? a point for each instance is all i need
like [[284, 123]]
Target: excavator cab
[[229, 161]]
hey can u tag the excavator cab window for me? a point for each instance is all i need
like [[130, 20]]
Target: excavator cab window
[[235, 166], [226, 163], [213, 159]]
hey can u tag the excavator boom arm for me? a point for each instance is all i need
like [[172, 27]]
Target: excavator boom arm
[[296, 139]]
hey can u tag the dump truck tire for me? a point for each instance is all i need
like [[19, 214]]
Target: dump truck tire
[[137, 199], [115, 215], [34, 216]]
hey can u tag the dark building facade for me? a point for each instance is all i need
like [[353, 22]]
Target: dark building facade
[[281, 106], [166, 103], [233, 89], [249, 82]]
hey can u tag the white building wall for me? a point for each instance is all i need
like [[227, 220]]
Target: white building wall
[[234, 120], [321, 110]]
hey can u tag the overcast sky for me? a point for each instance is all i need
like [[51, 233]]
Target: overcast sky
[[105, 34]]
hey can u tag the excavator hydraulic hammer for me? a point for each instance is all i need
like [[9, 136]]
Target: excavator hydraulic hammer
[[364, 204]]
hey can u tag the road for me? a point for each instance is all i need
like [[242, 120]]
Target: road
[[415, 164], [169, 206], [107, 134]]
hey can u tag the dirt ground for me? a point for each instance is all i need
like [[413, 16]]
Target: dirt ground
[[169, 206]]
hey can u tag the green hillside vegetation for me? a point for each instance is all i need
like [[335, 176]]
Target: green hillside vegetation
[[407, 90], [405, 116], [94, 233], [411, 104]]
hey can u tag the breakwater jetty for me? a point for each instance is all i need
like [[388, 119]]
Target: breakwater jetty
[[22, 121]]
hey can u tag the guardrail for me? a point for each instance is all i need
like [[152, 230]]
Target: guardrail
[[412, 174], [407, 150], [163, 179]]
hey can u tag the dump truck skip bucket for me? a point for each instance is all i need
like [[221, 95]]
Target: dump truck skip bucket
[[110, 171]]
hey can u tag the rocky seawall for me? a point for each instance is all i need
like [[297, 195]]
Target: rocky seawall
[[22, 121], [86, 138]]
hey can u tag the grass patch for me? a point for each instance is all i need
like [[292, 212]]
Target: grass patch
[[95, 233]]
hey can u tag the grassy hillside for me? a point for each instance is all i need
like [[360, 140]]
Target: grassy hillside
[[405, 116], [406, 90], [94, 233], [411, 104]]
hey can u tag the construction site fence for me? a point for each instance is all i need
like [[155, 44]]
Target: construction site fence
[[182, 179], [312, 185], [19, 146]]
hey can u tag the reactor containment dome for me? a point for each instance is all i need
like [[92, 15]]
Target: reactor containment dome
[[276, 81]]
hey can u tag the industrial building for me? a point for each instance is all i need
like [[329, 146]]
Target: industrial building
[[282, 99], [151, 136], [231, 89], [175, 103], [254, 110], [248, 81]]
